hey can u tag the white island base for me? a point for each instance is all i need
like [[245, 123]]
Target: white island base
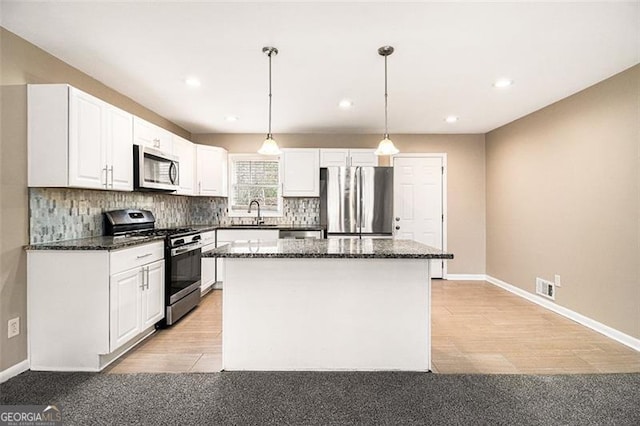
[[326, 314]]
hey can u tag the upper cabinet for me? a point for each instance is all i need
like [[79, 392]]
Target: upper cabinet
[[186, 153], [300, 172], [348, 157], [77, 140], [211, 171], [152, 136]]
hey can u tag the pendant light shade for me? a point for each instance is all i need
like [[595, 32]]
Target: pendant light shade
[[386, 146], [269, 146]]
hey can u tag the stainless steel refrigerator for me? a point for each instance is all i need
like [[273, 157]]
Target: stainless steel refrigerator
[[357, 201]]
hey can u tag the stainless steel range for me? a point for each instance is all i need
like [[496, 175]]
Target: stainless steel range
[[183, 266]]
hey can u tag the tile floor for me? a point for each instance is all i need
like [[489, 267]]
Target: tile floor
[[476, 328]]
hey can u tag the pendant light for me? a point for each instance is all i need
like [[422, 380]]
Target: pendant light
[[386, 146], [269, 146]]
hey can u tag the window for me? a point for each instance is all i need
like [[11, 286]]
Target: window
[[254, 177]]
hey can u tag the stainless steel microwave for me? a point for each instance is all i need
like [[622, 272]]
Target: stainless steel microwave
[[154, 170]]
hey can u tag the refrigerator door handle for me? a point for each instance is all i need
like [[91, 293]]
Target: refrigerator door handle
[[360, 200]]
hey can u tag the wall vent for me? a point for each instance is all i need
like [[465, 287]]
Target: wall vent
[[546, 288]]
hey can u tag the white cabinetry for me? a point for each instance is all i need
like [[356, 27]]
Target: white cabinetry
[[152, 136], [137, 302], [226, 236], [208, 263], [300, 172], [77, 140], [186, 153], [87, 307], [211, 171], [348, 157]]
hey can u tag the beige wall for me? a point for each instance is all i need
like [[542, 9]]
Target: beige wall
[[563, 190], [22, 63], [465, 189]]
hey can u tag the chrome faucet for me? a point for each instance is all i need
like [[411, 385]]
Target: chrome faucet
[[259, 220]]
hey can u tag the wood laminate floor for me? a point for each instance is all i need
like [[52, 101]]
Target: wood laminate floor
[[476, 328]]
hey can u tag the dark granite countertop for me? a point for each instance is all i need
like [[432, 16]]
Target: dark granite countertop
[[280, 227], [95, 243], [331, 248]]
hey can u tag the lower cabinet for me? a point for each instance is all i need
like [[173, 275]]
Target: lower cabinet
[[87, 307], [208, 264], [137, 302], [226, 236]]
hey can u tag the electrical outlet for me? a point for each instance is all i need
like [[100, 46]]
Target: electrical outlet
[[556, 280], [14, 327]]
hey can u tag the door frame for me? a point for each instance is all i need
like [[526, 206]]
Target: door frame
[[443, 157]]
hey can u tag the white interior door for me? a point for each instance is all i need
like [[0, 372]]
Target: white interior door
[[418, 202]]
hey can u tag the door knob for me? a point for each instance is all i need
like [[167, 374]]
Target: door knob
[[397, 219], [397, 228]]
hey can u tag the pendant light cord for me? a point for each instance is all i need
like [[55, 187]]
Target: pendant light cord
[[386, 95], [269, 134]]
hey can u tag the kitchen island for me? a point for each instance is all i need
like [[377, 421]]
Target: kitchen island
[[336, 304]]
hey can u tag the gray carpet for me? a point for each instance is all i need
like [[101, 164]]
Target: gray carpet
[[304, 398]]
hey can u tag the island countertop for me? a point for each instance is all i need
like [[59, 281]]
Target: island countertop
[[349, 248]]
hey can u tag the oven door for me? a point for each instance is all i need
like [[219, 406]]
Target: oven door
[[185, 271]]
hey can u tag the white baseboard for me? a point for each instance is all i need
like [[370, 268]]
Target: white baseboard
[[467, 277], [612, 333], [14, 370]]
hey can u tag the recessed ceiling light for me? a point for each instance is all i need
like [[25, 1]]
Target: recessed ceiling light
[[192, 82], [502, 82], [345, 104], [451, 119], [231, 117]]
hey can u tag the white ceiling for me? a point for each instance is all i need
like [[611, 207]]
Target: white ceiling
[[447, 56]]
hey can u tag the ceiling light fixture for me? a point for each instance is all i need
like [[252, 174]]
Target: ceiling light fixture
[[451, 119], [386, 146], [345, 104], [269, 146], [501, 83], [192, 82]]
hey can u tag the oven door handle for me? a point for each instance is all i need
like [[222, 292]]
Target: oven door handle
[[181, 250]]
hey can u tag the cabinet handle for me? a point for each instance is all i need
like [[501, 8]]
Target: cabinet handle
[[397, 228], [156, 143], [148, 271], [143, 284], [106, 177], [111, 170], [200, 188], [143, 255]]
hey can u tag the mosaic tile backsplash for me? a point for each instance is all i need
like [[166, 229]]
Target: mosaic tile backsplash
[[58, 214]]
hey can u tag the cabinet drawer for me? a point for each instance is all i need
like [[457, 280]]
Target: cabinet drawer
[[208, 237], [121, 260]]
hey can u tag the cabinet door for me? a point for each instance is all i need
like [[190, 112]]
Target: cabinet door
[[300, 172], [212, 171], [119, 148], [334, 157], [186, 153], [87, 150], [363, 157], [208, 269], [125, 290], [148, 134], [153, 294]]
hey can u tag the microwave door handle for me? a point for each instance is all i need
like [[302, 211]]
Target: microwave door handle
[[173, 172]]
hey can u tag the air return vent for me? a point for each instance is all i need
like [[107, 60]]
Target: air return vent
[[546, 288]]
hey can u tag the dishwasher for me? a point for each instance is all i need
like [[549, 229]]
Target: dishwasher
[[300, 234]]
